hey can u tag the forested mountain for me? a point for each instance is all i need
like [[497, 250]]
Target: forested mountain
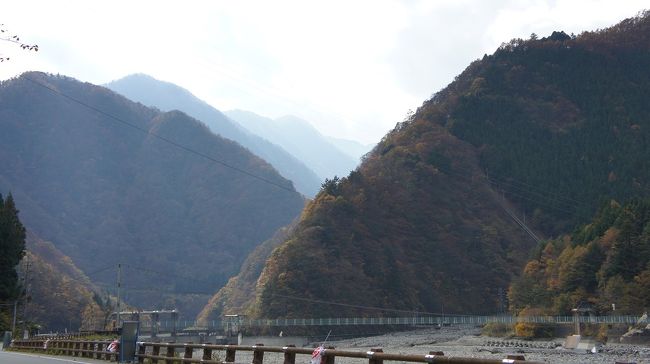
[[544, 128], [604, 265], [108, 190], [300, 139], [168, 96]]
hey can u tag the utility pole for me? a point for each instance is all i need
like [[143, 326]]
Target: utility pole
[[13, 324], [119, 284], [26, 289]]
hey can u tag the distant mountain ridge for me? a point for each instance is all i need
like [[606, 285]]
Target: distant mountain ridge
[[544, 129], [300, 139], [351, 147], [168, 96], [105, 193]]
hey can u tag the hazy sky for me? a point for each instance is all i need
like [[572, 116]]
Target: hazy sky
[[352, 68]]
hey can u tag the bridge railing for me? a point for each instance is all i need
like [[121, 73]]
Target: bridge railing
[[399, 321], [169, 353]]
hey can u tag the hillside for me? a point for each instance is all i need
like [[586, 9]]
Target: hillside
[[105, 192], [60, 296], [167, 96], [300, 139], [545, 128], [235, 295], [604, 263]]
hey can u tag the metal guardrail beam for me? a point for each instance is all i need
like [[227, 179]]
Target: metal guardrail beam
[[69, 347], [172, 353], [374, 356]]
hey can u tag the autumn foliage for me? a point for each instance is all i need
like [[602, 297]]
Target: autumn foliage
[[549, 128], [604, 264]]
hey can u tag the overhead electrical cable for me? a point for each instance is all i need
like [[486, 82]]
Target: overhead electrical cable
[[372, 308], [162, 138]]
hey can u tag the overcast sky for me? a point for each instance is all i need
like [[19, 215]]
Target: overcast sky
[[351, 68]]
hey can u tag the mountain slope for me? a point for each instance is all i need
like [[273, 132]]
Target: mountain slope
[[604, 264], [300, 139], [544, 128], [60, 295], [235, 295], [352, 148], [105, 193], [167, 96]]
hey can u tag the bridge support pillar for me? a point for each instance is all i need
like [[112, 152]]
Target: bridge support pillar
[[174, 315], [155, 324]]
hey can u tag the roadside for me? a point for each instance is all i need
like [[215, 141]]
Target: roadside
[[28, 358]]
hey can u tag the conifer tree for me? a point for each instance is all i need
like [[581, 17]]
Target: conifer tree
[[12, 248]]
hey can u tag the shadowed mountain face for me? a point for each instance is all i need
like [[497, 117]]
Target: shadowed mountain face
[[105, 192], [545, 129], [167, 96], [300, 139]]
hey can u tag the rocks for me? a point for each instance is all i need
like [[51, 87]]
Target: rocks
[[463, 342]]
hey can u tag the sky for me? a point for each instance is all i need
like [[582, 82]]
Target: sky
[[353, 69]]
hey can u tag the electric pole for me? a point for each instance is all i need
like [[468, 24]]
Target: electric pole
[[13, 324], [26, 288], [119, 284]]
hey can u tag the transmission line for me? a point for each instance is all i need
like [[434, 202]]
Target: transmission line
[[159, 137]]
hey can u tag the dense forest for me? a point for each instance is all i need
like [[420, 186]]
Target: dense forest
[[560, 122], [546, 129], [12, 249], [604, 265]]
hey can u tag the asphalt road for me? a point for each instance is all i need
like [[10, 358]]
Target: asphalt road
[[7, 357]]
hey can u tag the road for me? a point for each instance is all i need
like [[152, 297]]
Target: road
[[7, 357]]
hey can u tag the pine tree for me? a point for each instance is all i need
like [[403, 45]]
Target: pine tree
[[12, 248]]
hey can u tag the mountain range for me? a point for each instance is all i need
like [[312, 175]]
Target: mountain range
[[168, 96], [300, 139], [109, 181]]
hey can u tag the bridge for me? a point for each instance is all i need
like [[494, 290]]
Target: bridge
[[235, 324]]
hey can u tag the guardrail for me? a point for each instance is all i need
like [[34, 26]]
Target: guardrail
[[171, 353], [78, 348]]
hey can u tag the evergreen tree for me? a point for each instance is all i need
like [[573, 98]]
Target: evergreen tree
[[12, 248]]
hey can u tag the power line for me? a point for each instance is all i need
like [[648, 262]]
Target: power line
[[168, 274], [100, 270], [541, 198], [522, 187], [164, 139], [373, 308], [158, 289]]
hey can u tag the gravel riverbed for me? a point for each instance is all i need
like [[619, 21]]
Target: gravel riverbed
[[466, 342]]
